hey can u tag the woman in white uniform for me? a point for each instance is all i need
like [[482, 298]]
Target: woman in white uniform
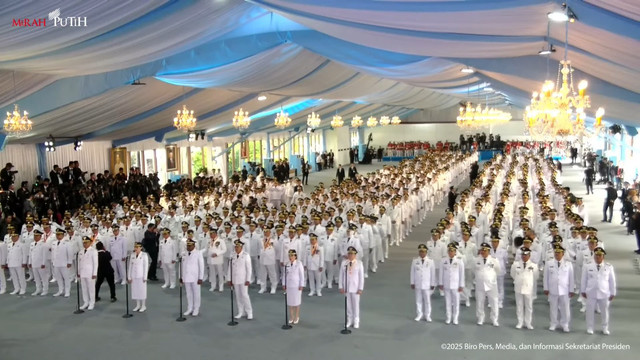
[[138, 269], [293, 280]]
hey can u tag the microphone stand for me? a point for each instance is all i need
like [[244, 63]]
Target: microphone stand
[[78, 310], [345, 331], [286, 325], [181, 317], [233, 321], [126, 288]]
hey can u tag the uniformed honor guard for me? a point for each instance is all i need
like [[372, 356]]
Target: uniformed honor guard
[[351, 283], [87, 273], [451, 281], [61, 260], [138, 269], [598, 287], [167, 257], [525, 278], [293, 285], [268, 262], [240, 268], [191, 277], [558, 285], [117, 246], [38, 259], [314, 262], [487, 270], [17, 258], [423, 281]]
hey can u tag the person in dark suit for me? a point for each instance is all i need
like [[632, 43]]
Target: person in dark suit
[[340, 174], [150, 243], [6, 176], [353, 172], [105, 271], [589, 175], [306, 167], [612, 195], [474, 171], [451, 198]]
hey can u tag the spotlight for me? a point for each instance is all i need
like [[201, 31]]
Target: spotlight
[[202, 132], [262, 98], [192, 137], [558, 16], [309, 130], [77, 145], [50, 145], [547, 51], [467, 70]]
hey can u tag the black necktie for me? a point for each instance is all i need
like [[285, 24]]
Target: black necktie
[[85, 251], [558, 264], [189, 253], [423, 261], [598, 267], [450, 260], [525, 264], [237, 256], [485, 260]]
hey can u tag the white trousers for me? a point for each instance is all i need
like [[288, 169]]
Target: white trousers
[[3, 280], [314, 277], [452, 303], [353, 307], [423, 303], [41, 277], [193, 296], [17, 276], [255, 264], [119, 271], [373, 258], [88, 286], [603, 305], [270, 272], [329, 274], [215, 271], [366, 256], [559, 302], [524, 308], [500, 288], [481, 295], [169, 273], [396, 233], [63, 278], [242, 299], [468, 283]]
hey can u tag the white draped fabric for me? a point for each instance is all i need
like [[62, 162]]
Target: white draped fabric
[[94, 157]]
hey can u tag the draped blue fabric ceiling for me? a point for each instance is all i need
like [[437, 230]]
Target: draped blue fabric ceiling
[[362, 57]]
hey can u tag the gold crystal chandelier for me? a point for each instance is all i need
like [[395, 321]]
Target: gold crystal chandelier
[[385, 120], [372, 121], [16, 124], [313, 120], [395, 120], [282, 120], [241, 119], [184, 120], [356, 121], [472, 118], [337, 121]]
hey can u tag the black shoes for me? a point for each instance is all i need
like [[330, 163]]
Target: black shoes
[[113, 299]]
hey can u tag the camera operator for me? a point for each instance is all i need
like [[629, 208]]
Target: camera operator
[[7, 175]]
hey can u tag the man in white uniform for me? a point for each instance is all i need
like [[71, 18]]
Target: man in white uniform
[[17, 257], [598, 287], [525, 277], [487, 270], [191, 277], [423, 281], [239, 277], [88, 272], [38, 259], [451, 281], [558, 285], [351, 283], [61, 260]]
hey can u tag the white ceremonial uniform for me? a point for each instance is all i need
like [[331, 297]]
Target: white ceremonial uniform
[[138, 270], [61, 261], [117, 246], [3, 263], [437, 252], [167, 256], [423, 280], [17, 257], [294, 280], [329, 245], [469, 252], [486, 284], [38, 259], [314, 263], [599, 284], [452, 280], [239, 273], [558, 280], [501, 254], [268, 263], [192, 273], [351, 281], [87, 272], [525, 279], [215, 258]]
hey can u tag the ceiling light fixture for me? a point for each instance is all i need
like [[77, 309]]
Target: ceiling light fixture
[[262, 98], [548, 50], [467, 70]]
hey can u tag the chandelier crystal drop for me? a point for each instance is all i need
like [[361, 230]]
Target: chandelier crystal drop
[[395, 120], [282, 120], [372, 121], [185, 120], [558, 110], [385, 120], [337, 121], [313, 120], [356, 121], [16, 124], [241, 119]]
